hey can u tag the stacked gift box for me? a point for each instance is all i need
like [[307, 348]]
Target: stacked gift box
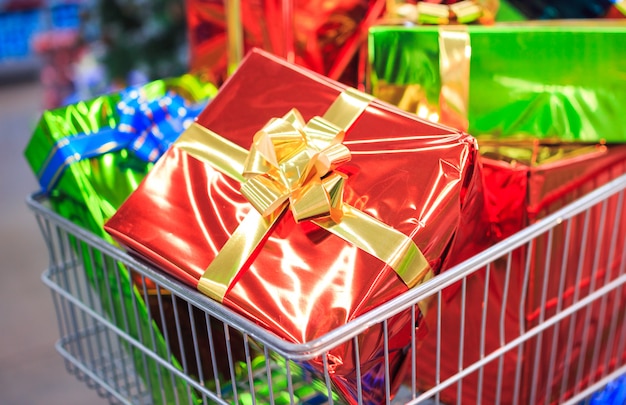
[[301, 203], [541, 98]]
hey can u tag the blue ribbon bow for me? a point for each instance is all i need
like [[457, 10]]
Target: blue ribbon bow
[[146, 127]]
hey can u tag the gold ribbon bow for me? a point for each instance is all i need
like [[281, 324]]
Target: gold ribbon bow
[[291, 166], [293, 162]]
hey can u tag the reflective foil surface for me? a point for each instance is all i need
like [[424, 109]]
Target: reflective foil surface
[[90, 190], [558, 79], [415, 176], [320, 35]]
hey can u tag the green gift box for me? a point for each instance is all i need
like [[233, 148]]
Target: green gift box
[[542, 79], [89, 157], [544, 100]]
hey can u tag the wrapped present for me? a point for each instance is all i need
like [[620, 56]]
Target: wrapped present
[[88, 157], [322, 36], [282, 222], [524, 181], [547, 131], [550, 79], [443, 12]]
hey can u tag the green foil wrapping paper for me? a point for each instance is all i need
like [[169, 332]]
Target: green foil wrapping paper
[[545, 102], [554, 79], [89, 191]]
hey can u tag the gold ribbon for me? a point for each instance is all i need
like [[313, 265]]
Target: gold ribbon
[[454, 70], [291, 165]]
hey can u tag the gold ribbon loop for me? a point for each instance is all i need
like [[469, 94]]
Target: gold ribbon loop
[[291, 165], [287, 160]]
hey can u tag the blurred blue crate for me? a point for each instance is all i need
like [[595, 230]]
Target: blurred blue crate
[[65, 15], [613, 394], [17, 28]]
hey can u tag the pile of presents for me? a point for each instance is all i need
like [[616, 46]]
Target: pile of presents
[[343, 152]]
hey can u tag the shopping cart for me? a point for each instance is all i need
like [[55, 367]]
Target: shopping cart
[[218, 356]]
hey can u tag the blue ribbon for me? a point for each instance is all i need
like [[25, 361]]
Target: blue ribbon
[[146, 127]]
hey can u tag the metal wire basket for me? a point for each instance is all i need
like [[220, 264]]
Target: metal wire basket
[[561, 281]]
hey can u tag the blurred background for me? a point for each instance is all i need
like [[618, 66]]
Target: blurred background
[[57, 52]]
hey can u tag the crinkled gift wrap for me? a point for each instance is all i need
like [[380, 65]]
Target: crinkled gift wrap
[[545, 80], [543, 100], [89, 157], [406, 177], [320, 35]]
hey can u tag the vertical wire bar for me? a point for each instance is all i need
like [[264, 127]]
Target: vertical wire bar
[[559, 306], [168, 344], [103, 291], [181, 346], [592, 285], [146, 299], [459, 387], [570, 339], [616, 305], [268, 372], [542, 314], [73, 288], [68, 308], [329, 389], [413, 353], [229, 353], [357, 362], [621, 349], [216, 376], [91, 300], [289, 381], [148, 380], [125, 373], [86, 318], [607, 278], [438, 348], [196, 347], [386, 360], [44, 227], [76, 257], [133, 300], [483, 331], [246, 349], [522, 320], [505, 297]]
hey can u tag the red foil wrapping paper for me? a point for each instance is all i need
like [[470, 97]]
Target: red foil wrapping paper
[[418, 177], [320, 35], [566, 268]]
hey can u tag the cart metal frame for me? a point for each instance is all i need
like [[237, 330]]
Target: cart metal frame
[[96, 348]]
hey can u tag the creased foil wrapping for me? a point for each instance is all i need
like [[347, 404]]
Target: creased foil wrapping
[[545, 80], [89, 190], [417, 177], [320, 35], [543, 100], [524, 181]]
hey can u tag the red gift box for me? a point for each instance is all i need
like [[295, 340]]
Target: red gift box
[[558, 271], [303, 279], [319, 35]]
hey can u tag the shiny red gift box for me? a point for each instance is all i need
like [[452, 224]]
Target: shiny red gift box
[[525, 181], [319, 35], [301, 281]]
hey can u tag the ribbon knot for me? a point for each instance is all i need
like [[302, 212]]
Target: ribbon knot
[[152, 125], [293, 163]]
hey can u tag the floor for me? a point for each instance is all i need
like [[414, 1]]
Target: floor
[[31, 371]]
